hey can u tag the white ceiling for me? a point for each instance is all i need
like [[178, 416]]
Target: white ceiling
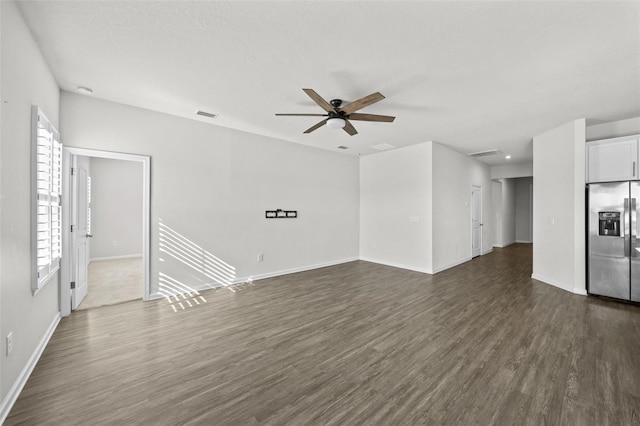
[[471, 75]]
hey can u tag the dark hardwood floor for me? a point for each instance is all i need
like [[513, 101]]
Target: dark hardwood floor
[[357, 343]]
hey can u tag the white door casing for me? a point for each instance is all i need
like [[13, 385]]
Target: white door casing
[[66, 270], [476, 221]]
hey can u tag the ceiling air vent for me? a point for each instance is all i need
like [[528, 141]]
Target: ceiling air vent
[[383, 146], [485, 153], [343, 147], [207, 114]]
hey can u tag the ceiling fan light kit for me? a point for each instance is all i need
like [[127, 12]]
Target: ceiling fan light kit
[[336, 123], [339, 117]]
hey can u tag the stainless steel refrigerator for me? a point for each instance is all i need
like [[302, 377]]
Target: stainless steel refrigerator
[[613, 245]]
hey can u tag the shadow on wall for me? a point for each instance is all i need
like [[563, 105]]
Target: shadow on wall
[[196, 267]]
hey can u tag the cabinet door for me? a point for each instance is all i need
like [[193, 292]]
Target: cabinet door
[[612, 161]]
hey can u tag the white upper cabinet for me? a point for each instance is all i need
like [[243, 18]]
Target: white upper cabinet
[[612, 160]]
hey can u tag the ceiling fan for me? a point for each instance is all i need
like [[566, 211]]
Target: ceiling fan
[[338, 116]]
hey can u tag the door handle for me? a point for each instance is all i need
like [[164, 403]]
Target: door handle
[[89, 235], [634, 228], [625, 228]]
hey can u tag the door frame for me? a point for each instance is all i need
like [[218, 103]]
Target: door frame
[[479, 189], [65, 267]]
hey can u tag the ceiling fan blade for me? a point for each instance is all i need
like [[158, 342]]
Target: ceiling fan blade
[[371, 117], [362, 102], [317, 126], [318, 99], [303, 115], [348, 127]]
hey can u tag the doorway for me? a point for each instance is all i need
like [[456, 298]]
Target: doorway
[[79, 228], [512, 205], [476, 221]]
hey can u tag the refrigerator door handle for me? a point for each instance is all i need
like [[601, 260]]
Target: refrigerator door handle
[[625, 235], [634, 227]]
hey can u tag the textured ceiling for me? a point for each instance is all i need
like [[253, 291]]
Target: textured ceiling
[[471, 75]]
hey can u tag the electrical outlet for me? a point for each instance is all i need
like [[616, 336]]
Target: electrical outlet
[[9, 343], [115, 244], [260, 257]]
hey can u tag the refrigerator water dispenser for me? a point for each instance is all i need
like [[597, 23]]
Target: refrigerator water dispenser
[[609, 224]]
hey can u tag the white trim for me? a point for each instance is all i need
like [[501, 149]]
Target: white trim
[[65, 275], [560, 285], [488, 251], [126, 256], [504, 245], [251, 278], [297, 269], [397, 265], [451, 265], [524, 242], [18, 385]]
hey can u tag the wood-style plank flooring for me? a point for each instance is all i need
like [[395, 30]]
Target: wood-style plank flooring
[[357, 343], [114, 281]]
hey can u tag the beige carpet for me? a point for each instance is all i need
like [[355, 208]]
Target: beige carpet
[[113, 281]]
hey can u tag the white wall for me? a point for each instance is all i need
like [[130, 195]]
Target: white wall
[[614, 129], [1, 233], [395, 207], [211, 186], [453, 176], [523, 210], [428, 182], [496, 209], [116, 208], [26, 80], [558, 207], [508, 212], [512, 170]]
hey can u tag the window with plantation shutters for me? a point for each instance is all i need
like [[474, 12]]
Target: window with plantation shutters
[[47, 188]]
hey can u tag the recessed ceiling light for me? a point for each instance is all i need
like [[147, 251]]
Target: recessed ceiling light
[[508, 157], [85, 90]]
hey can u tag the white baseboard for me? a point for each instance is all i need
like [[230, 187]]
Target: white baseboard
[[127, 256], [451, 265], [488, 251], [18, 385], [560, 285], [502, 245], [397, 265], [250, 278], [524, 242]]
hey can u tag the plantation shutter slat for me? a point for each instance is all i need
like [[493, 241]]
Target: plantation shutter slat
[[47, 215]]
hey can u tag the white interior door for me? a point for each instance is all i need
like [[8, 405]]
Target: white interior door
[[80, 230], [476, 221]]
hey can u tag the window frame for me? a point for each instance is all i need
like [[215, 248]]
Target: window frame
[[46, 194]]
